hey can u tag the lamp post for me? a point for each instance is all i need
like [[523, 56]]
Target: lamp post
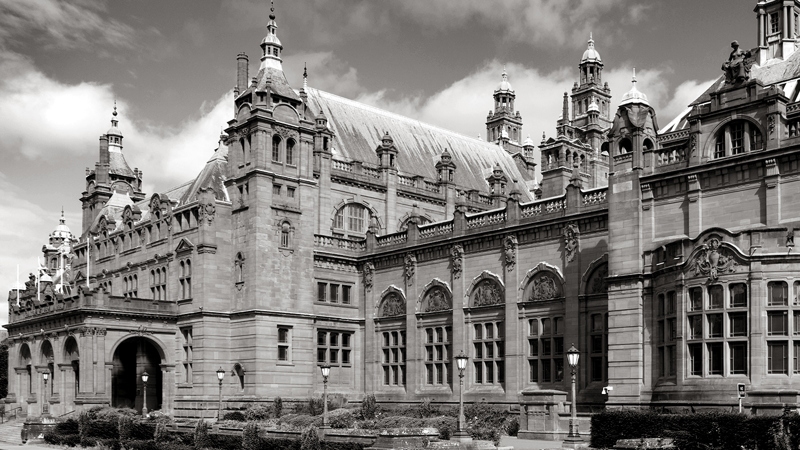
[[145, 377], [220, 376], [326, 371], [574, 438], [461, 435], [45, 405]]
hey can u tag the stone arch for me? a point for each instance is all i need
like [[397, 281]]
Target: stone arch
[[591, 282], [711, 141], [26, 363], [436, 296], [71, 356], [131, 356], [542, 283], [391, 303], [402, 223], [373, 213], [485, 290], [25, 357], [239, 371], [46, 352]]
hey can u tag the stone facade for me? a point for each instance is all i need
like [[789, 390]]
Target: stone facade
[[325, 231]]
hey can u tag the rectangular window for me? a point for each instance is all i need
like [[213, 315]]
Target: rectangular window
[[796, 324], [345, 294], [187, 354], [597, 368], [777, 323], [276, 190], [394, 360], [714, 325], [737, 138], [778, 293], [696, 359], [797, 357], [696, 327], [356, 218], [533, 370], [284, 344], [738, 324], [776, 357], [333, 347], [290, 192], [484, 346], [334, 293], [774, 24], [322, 292], [438, 351], [738, 358], [715, 358]]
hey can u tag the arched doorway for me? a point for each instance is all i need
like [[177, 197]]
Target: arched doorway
[[47, 359], [73, 358], [26, 382], [133, 357]]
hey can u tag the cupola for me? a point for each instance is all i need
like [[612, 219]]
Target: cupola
[[114, 135], [271, 47], [634, 96]]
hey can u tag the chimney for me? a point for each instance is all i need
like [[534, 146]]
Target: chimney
[[242, 71]]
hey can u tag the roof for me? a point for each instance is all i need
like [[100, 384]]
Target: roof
[[212, 175], [359, 128], [278, 83], [118, 165]]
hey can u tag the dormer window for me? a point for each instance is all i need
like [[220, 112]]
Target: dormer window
[[774, 23]]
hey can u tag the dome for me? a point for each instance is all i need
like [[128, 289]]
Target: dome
[[594, 108], [114, 131], [62, 231], [271, 39], [634, 96], [528, 142], [504, 85], [591, 55]]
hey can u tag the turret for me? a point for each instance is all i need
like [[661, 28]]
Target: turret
[[504, 123], [387, 152]]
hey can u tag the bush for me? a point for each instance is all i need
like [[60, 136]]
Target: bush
[[484, 432], [250, 438], [341, 418], [201, 439], [280, 444], [56, 438], [277, 407], [111, 444], [511, 425], [142, 431], [426, 408], [315, 406], [341, 446], [140, 444], [446, 425], [69, 426], [257, 412], [234, 415], [369, 407], [299, 421], [225, 441], [309, 440], [161, 433], [124, 424]]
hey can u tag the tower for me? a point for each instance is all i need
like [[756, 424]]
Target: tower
[[504, 123], [590, 89], [111, 174], [778, 28], [633, 133]]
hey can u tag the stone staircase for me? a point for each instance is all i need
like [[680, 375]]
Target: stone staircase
[[11, 432]]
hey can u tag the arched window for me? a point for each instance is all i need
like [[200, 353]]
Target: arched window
[[351, 218], [625, 146], [736, 138], [276, 148], [241, 144], [290, 151], [239, 268], [286, 230]]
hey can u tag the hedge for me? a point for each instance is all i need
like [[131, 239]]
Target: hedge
[[699, 431]]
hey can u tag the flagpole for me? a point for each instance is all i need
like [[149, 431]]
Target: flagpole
[[88, 257], [38, 275], [17, 284]]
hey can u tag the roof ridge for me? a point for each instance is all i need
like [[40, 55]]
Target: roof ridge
[[395, 115]]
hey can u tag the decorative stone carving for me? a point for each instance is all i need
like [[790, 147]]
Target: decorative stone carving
[[101, 332], [487, 293], [713, 260], [436, 300], [369, 270], [207, 211], [286, 133], [140, 331], [393, 305], [692, 144], [410, 268], [544, 288], [771, 124], [510, 251], [457, 259], [737, 67], [572, 241]]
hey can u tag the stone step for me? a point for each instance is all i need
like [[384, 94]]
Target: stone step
[[11, 432]]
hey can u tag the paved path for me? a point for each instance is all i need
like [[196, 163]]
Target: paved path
[[523, 444]]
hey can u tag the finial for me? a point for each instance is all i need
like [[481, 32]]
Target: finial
[[634, 77], [115, 108], [505, 75], [62, 220], [272, 10], [305, 70]]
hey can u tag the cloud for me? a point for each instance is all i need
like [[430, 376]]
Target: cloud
[[326, 72], [63, 25]]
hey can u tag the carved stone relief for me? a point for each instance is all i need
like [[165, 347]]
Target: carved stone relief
[[457, 259], [436, 300], [369, 270], [392, 305], [510, 251], [410, 268], [597, 283], [544, 287], [487, 293], [572, 241], [713, 260]]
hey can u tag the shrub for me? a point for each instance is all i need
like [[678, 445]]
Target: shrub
[[225, 441], [426, 408], [111, 444], [140, 444], [341, 418], [280, 444], [341, 446], [161, 433], [234, 415], [124, 424], [309, 440], [511, 425], [69, 426], [201, 439], [250, 438], [56, 438], [446, 425], [142, 430], [315, 406], [484, 432], [369, 407], [299, 421], [257, 412], [277, 407]]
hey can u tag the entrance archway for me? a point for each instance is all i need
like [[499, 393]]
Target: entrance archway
[[133, 357]]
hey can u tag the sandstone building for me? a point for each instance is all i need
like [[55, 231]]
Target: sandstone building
[[322, 230]]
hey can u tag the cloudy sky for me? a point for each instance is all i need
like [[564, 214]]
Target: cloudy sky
[[171, 68]]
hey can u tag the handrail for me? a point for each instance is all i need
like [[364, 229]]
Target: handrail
[[5, 414], [66, 413]]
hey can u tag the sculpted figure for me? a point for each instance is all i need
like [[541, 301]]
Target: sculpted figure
[[737, 68]]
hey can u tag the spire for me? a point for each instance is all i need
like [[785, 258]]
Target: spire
[[305, 77], [591, 55], [114, 135]]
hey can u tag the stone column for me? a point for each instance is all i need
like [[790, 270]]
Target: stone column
[[458, 269], [414, 356], [514, 376], [67, 387], [167, 388], [772, 179], [100, 361], [86, 352]]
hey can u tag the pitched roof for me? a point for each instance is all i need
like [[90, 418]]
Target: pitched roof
[[359, 128]]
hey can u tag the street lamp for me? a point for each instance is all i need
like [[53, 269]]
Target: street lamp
[[574, 437], [145, 377], [220, 376], [461, 435], [45, 405], [326, 371]]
